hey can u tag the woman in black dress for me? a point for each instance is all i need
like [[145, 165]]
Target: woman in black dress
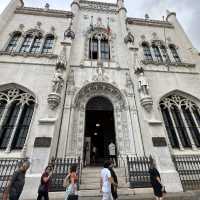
[[156, 182]]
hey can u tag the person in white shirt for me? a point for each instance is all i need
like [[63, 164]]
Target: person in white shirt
[[112, 153], [106, 181]]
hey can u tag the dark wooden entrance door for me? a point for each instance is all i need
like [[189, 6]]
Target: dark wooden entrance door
[[100, 127]]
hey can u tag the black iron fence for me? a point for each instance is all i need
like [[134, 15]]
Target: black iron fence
[[7, 167], [138, 171], [188, 167], [61, 167]]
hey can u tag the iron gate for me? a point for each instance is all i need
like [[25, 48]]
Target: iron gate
[[61, 167], [188, 167], [7, 167], [138, 172]]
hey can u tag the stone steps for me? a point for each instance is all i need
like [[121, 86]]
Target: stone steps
[[133, 196], [91, 177]]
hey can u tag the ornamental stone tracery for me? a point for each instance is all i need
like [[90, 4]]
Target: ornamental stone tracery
[[179, 101], [14, 94]]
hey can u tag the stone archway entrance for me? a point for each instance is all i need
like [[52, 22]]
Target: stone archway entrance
[[74, 139], [99, 130]]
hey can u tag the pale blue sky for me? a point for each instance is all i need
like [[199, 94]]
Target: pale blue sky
[[188, 11]]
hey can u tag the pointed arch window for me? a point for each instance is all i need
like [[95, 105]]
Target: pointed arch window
[[105, 50], [26, 44], [99, 48], [35, 48], [174, 53], [147, 52], [13, 42], [182, 121], [16, 113], [157, 53], [165, 53], [48, 44], [93, 54]]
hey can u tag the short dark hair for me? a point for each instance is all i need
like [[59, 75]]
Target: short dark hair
[[73, 168], [106, 164]]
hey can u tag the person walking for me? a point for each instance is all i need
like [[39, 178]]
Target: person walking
[[106, 181], [43, 190], [16, 184], [70, 182], [115, 185], [155, 179]]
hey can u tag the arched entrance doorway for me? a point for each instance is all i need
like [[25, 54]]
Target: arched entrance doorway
[[99, 130]]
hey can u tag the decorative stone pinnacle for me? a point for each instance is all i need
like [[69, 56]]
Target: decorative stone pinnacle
[[47, 6]]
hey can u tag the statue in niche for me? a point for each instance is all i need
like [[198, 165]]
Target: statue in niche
[[143, 86], [58, 81]]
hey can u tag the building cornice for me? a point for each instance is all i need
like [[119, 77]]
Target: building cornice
[[25, 54], [144, 22], [42, 12]]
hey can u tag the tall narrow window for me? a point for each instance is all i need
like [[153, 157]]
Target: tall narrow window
[[26, 44], [48, 45], [23, 127], [175, 53], [192, 126], [16, 121], [181, 127], [183, 115], [147, 52], [165, 54], [93, 53], [13, 42], [105, 50], [8, 125], [157, 53], [169, 127], [35, 48], [2, 107]]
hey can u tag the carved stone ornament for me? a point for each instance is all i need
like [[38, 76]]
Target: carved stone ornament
[[143, 88], [129, 38], [58, 81], [54, 100], [69, 33], [100, 73], [147, 103]]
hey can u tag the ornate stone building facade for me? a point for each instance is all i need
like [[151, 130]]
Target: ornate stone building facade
[[53, 63]]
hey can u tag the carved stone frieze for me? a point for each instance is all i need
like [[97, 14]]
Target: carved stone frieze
[[98, 6]]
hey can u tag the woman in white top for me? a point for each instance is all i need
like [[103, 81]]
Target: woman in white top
[[106, 181]]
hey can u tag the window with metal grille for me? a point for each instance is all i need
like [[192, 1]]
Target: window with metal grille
[[182, 120], [35, 48], [93, 49], [147, 52], [16, 118], [26, 44], [13, 42], [165, 54], [175, 53], [157, 53], [105, 50], [48, 45]]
